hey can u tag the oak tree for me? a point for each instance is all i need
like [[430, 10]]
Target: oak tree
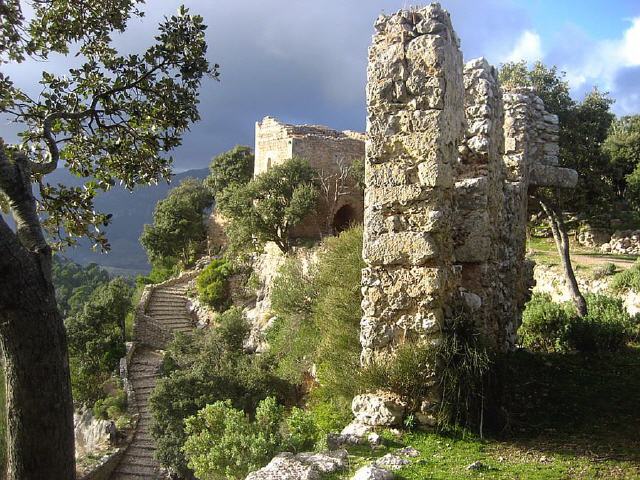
[[110, 119]]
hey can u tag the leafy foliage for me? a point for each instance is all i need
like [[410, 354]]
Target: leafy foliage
[[554, 327], [223, 443], [75, 284], [623, 148], [544, 324], [212, 284], [96, 339], [234, 167], [271, 204], [607, 327], [318, 317], [179, 229], [204, 368], [112, 118], [628, 279]]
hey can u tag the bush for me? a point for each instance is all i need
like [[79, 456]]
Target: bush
[[556, 327], [302, 431], [201, 369], [318, 317], [627, 279], [545, 323], [605, 270], [111, 407], [222, 442], [606, 328], [213, 285]]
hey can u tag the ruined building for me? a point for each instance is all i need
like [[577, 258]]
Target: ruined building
[[450, 162], [330, 153]]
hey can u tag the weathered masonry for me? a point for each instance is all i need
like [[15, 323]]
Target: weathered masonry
[[450, 162], [327, 151]]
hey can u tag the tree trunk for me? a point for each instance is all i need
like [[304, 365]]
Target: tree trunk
[[40, 436], [561, 239]]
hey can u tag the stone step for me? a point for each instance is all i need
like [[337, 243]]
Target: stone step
[[140, 451], [145, 460], [136, 471]]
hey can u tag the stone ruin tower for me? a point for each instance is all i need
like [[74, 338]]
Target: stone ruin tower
[[450, 162], [327, 151]]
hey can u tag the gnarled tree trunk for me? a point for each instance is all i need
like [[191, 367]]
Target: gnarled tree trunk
[[38, 390]]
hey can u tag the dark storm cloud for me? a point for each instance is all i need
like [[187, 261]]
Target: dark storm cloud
[[299, 60]]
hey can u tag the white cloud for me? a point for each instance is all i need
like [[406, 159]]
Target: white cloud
[[528, 47]]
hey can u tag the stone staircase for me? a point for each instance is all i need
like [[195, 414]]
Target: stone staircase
[[166, 307]]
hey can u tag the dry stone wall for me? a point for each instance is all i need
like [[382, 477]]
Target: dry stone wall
[[451, 160], [415, 98]]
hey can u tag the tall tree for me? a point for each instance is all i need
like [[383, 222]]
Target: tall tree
[[270, 205], [622, 146], [178, 229], [232, 167], [111, 119]]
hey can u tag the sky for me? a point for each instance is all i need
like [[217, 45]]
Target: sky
[[304, 61]]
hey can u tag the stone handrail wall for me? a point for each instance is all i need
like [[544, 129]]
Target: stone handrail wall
[[106, 468]]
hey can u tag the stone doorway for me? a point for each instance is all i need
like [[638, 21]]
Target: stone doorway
[[344, 218]]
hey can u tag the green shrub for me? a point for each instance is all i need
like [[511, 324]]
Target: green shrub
[[222, 441], [605, 270], [628, 279], [203, 368], [545, 323], [302, 431], [318, 316], [213, 285], [556, 327], [463, 362], [330, 413], [606, 327], [111, 407]]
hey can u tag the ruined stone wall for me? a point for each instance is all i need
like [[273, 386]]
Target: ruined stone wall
[[415, 99], [478, 199], [451, 162], [325, 149]]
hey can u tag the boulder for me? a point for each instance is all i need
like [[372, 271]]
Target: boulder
[[378, 409], [303, 466], [371, 472]]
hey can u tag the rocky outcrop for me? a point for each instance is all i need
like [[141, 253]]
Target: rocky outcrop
[[626, 242], [302, 466], [90, 433], [376, 410]]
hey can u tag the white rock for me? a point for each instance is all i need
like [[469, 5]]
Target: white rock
[[371, 472], [392, 462], [377, 410]]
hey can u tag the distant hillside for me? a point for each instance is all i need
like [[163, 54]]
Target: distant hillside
[[131, 210]]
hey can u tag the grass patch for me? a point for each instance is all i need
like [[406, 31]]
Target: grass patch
[[570, 417]]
